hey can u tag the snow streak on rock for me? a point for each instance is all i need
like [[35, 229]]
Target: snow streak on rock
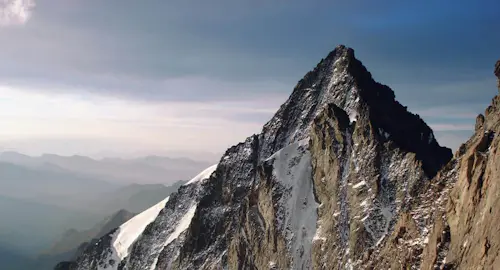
[[147, 233], [181, 227]]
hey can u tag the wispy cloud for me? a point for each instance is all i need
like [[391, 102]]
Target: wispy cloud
[[173, 125], [452, 127], [15, 12], [453, 112], [453, 139]]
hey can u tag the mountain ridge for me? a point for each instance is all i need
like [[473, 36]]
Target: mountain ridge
[[145, 170], [453, 224], [356, 88]]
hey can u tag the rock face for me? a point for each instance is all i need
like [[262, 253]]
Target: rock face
[[334, 180], [454, 224]]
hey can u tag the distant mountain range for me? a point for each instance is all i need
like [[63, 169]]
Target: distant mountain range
[[60, 188], [145, 170], [50, 205], [134, 198], [29, 229], [74, 241]]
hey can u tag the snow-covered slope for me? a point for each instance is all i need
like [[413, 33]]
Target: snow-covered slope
[[321, 185], [297, 211], [203, 175], [112, 249], [128, 233], [119, 242]]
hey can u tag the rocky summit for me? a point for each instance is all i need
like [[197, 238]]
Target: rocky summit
[[342, 177]]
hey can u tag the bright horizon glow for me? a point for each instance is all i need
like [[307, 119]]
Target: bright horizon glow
[[162, 125], [98, 124]]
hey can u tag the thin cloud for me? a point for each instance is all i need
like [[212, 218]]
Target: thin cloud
[[453, 139], [452, 127], [15, 12], [451, 112]]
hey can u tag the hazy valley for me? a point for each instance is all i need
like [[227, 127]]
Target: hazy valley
[[51, 204]]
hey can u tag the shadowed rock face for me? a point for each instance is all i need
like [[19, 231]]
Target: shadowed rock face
[[473, 209], [454, 224], [323, 186]]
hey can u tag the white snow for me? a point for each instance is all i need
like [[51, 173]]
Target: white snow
[[364, 203], [426, 240], [203, 175], [431, 138], [349, 264], [360, 184], [129, 231], [353, 116], [183, 224], [387, 213], [292, 169], [351, 104], [181, 227], [318, 236], [383, 133]]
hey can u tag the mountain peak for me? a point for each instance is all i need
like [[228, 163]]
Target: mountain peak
[[341, 51], [342, 80]]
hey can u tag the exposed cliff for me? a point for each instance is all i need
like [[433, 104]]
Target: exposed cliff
[[454, 224]]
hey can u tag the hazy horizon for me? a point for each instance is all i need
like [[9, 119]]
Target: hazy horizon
[[100, 155]]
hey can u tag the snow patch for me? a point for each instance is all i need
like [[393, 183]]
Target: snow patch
[[181, 227], [298, 214], [353, 116], [203, 175], [364, 203], [431, 138], [183, 224], [426, 240], [360, 184], [318, 236], [128, 232]]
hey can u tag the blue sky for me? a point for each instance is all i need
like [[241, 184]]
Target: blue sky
[[122, 76]]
